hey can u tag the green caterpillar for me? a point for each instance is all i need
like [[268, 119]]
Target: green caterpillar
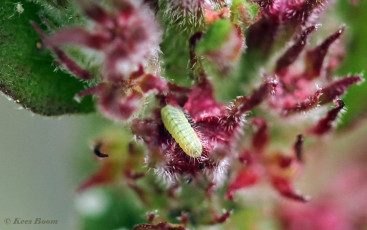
[[179, 127]]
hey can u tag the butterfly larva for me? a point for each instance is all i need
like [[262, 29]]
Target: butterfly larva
[[179, 127]]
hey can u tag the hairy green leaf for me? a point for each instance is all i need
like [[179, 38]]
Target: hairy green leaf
[[27, 74]]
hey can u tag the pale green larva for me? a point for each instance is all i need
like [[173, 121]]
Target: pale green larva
[[179, 127]]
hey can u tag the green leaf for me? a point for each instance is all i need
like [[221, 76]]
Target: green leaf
[[175, 52], [178, 28], [215, 37], [26, 73], [356, 58]]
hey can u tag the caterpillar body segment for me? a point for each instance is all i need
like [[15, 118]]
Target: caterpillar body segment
[[178, 126]]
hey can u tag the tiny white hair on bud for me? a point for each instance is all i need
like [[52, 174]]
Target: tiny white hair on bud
[[165, 174], [218, 175]]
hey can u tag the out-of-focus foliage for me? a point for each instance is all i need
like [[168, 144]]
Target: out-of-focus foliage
[[355, 16], [109, 208], [215, 36]]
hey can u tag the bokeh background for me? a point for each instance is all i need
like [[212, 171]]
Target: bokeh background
[[38, 169]]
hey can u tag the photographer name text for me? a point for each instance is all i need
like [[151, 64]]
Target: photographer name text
[[21, 221]]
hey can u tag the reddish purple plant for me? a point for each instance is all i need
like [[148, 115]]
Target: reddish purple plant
[[278, 168], [216, 125], [128, 36]]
